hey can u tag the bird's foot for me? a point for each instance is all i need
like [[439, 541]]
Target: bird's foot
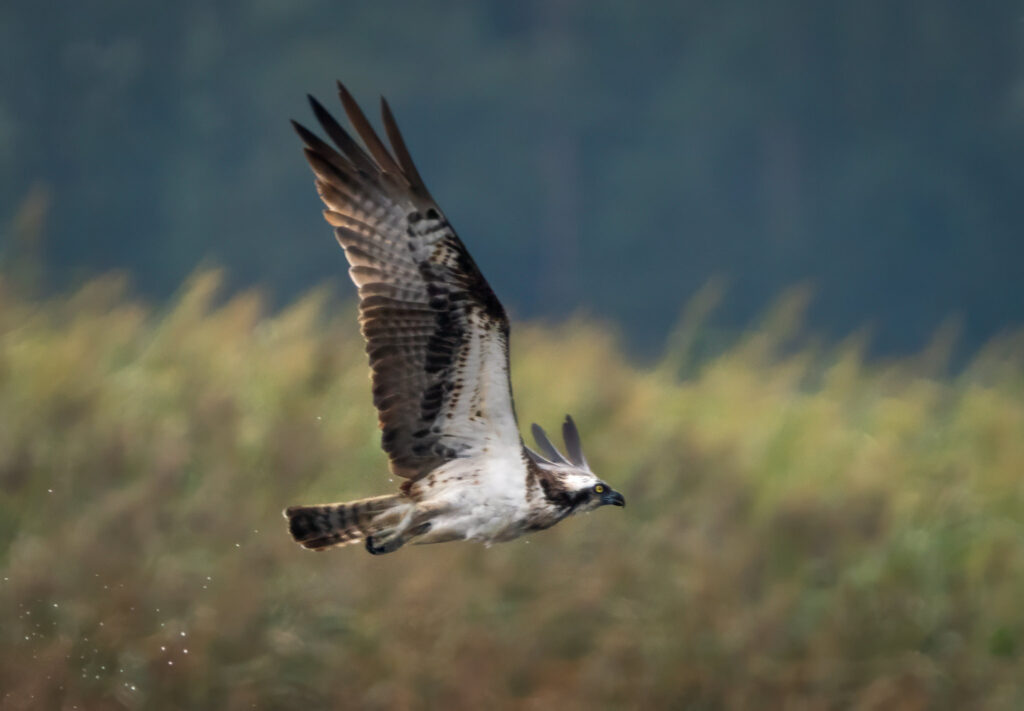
[[390, 541], [384, 542]]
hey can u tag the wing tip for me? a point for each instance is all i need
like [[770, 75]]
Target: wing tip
[[573, 443]]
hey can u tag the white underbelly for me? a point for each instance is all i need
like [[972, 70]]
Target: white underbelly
[[489, 508]]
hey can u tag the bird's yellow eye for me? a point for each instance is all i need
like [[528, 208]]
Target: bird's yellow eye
[[599, 489]]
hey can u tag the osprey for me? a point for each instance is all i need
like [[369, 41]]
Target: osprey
[[437, 338]]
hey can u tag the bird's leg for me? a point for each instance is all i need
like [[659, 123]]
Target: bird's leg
[[414, 523], [381, 543]]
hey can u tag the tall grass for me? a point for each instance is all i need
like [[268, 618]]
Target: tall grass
[[804, 529]]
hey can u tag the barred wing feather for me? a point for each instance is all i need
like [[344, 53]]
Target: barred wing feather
[[436, 334]]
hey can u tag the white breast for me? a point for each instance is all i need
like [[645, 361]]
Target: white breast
[[480, 498]]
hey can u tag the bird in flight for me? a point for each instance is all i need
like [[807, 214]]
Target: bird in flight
[[437, 338]]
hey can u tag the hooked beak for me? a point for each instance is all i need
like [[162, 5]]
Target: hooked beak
[[612, 497]]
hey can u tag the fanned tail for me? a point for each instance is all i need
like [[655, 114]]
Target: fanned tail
[[327, 525]]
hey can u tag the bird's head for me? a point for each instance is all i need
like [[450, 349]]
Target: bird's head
[[568, 481]]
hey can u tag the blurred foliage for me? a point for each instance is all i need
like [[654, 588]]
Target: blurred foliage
[[598, 154], [805, 529]]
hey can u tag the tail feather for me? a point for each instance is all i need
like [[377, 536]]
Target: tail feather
[[326, 525]]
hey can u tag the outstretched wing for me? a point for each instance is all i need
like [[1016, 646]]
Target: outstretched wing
[[436, 334]]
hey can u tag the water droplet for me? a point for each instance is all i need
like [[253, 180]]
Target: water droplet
[[163, 648], [182, 633], [170, 662]]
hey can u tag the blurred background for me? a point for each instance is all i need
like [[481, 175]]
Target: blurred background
[[596, 156], [768, 255]]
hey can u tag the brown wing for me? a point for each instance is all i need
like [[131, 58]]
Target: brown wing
[[436, 334]]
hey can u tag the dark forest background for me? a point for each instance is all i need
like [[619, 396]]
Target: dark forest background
[[598, 156]]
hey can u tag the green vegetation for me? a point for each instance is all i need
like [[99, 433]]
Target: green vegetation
[[804, 530]]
